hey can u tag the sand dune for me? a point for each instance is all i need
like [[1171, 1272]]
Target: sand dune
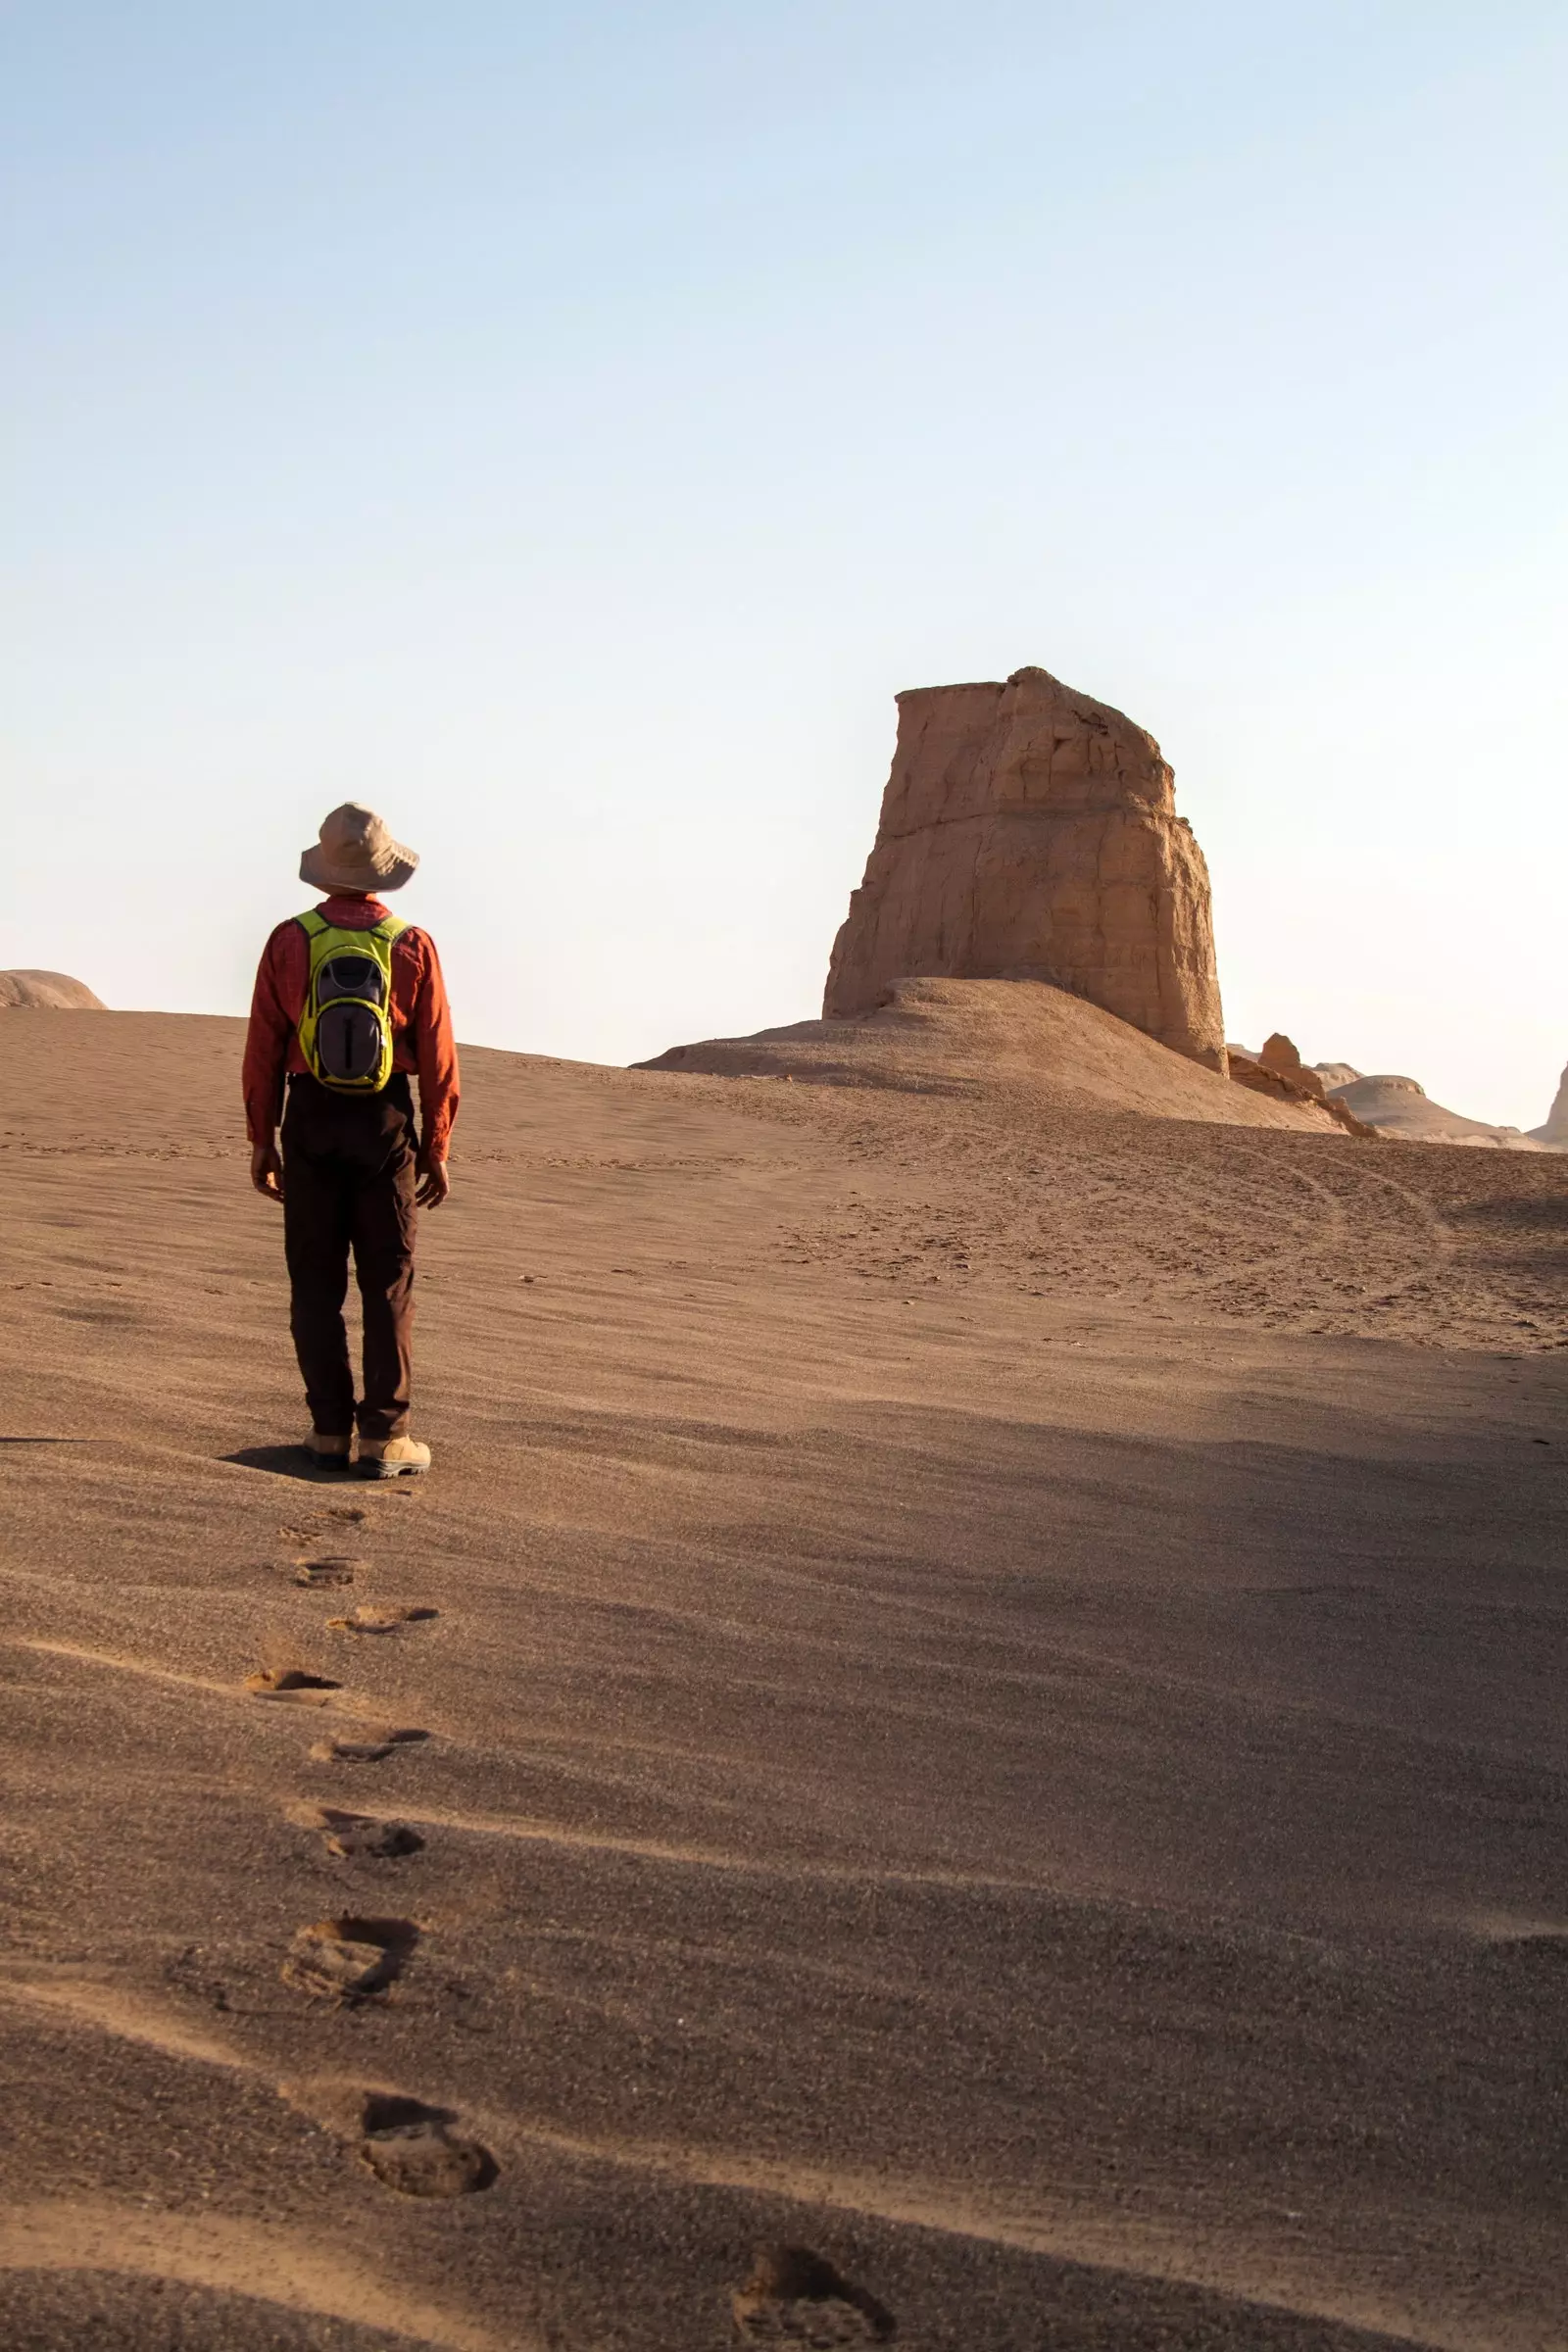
[[978, 1688], [1019, 1039]]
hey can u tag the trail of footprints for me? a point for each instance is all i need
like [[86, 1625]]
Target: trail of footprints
[[792, 2296], [413, 2149]]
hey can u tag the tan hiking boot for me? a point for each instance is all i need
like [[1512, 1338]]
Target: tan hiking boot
[[393, 1457], [329, 1451]]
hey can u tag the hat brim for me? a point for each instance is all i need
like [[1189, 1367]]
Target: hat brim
[[320, 874]]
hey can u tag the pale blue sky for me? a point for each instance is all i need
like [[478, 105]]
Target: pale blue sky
[[567, 428]]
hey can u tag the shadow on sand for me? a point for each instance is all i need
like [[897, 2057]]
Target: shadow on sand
[[290, 1461]]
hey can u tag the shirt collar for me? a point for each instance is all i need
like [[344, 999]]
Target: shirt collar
[[342, 909]]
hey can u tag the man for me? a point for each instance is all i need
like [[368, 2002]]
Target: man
[[349, 1003]]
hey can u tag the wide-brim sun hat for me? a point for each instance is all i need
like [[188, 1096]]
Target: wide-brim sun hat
[[356, 852]]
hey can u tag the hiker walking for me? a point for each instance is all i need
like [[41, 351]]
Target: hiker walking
[[349, 1003]]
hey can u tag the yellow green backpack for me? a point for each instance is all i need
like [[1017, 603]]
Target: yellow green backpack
[[345, 1031]]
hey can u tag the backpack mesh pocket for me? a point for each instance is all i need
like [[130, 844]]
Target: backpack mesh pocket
[[348, 1042]]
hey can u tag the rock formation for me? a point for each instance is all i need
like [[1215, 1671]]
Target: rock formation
[[1277, 1069], [1280, 1071], [1281, 1053], [1028, 832], [1556, 1131], [1401, 1107], [46, 991]]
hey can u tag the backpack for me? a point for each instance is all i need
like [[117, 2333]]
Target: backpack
[[345, 1031]]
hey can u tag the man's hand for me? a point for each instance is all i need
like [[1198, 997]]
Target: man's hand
[[266, 1171], [434, 1181]]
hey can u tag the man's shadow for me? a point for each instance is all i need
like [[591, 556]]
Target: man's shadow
[[290, 1461]]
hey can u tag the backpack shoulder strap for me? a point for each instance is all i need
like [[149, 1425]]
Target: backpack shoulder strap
[[313, 923], [391, 927]]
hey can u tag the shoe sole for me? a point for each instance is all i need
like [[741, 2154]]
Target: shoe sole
[[373, 1469]]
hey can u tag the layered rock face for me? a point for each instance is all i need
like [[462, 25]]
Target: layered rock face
[[1028, 832]]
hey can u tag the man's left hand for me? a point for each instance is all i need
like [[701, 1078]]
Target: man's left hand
[[434, 1181]]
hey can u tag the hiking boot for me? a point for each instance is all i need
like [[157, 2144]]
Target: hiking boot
[[393, 1457], [326, 1451]]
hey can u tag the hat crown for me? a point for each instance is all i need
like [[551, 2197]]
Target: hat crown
[[355, 851], [353, 831]]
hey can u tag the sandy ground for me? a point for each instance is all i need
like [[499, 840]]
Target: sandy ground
[[995, 1708]]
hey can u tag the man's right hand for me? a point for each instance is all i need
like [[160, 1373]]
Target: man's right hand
[[435, 1181], [266, 1171]]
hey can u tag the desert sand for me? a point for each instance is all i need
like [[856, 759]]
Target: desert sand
[[978, 1688], [1024, 1044]]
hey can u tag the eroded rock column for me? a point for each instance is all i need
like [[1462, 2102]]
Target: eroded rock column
[[1028, 832]]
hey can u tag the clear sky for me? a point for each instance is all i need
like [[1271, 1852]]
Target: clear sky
[[567, 427]]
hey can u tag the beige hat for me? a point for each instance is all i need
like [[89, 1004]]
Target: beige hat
[[356, 852]]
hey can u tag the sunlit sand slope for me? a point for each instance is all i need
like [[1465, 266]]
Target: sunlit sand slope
[[980, 1694], [1019, 1040]]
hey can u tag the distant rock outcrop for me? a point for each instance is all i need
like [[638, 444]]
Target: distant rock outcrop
[[1280, 1053], [1280, 1071], [1401, 1107], [1337, 1073], [46, 992], [1556, 1131], [1028, 832]]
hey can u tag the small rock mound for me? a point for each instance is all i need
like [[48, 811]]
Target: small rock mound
[[46, 992]]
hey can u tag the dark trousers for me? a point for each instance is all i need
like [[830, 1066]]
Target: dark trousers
[[348, 1184]]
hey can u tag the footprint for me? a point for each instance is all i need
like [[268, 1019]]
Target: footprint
[[793, 2296], [369, 1746], [292, 1686], [413, 2149], [320, 1576], [363, 1835], [349, 1959], [367, 1619], [1531, 1948]]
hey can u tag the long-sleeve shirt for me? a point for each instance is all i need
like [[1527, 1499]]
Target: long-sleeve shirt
[[422, 1021]]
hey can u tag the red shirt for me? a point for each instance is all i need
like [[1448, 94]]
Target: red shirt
[[422, 1021]]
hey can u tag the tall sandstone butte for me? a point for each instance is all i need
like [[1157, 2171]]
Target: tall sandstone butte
[[1030, 833]]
